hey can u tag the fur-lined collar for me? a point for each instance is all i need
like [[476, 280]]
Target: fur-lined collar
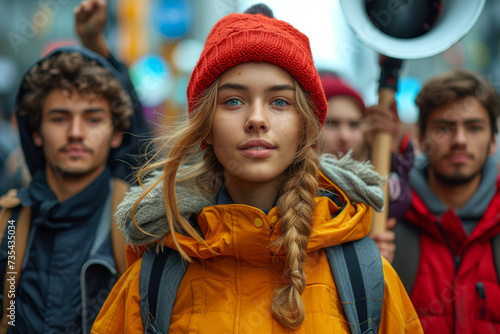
[[358, 181]]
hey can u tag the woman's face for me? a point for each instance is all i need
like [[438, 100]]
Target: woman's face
[[256, 128], [342, 131]]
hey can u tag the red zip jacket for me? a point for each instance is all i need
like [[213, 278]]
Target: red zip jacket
[[456, 289]]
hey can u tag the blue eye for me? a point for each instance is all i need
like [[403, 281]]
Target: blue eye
[[233, 102], [280, 103]]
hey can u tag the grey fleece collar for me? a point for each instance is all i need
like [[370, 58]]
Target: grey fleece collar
[[475, 207], [356, 179]]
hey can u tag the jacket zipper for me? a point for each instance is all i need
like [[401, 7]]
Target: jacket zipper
[[482, 300], [456, 258]]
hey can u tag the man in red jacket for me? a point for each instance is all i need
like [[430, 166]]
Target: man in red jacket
[[445, 245]]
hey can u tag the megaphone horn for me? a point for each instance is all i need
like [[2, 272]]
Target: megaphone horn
[[405, 29], [411, 29]]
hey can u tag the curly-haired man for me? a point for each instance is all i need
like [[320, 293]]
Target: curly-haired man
[[61, 252]]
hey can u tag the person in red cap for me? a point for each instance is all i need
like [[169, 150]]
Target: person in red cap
[[343, 131], [350, 127], [235, 223]]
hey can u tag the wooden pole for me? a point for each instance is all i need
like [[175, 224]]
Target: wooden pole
[[381, 146]]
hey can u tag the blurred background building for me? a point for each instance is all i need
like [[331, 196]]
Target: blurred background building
[[161, 40]]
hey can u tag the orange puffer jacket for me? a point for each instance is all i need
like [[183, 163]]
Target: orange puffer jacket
[[232, 292]]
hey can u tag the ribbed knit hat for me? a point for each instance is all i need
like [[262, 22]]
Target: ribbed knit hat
[[242, 38], [334, 86]]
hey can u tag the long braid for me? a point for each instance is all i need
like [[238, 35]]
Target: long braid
[[296, 207]]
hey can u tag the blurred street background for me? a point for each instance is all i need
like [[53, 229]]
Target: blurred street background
[[161, 40]]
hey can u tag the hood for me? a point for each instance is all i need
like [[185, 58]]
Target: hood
[[356, 182], [477, 204], [119, 158], [479, 217]]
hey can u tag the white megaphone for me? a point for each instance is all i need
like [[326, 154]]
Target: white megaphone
[[405, 29], [387, 26]]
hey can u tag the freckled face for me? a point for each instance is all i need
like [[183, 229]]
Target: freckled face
[[256, 128]]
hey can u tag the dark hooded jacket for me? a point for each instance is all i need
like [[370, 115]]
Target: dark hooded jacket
[[68, 267]]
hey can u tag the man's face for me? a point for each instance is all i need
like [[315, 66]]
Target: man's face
[[76, 134], [342, 131], [458, 140]]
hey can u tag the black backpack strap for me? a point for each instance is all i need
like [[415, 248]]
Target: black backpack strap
[[407, 255], [161, 275], [358, 273], [495, 245]]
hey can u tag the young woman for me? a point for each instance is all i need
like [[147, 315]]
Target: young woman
[[242, 199]]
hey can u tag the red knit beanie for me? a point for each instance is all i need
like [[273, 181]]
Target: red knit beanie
[[242, 38], [334, 86]]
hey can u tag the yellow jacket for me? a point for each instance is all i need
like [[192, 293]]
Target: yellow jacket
[[232, 292]]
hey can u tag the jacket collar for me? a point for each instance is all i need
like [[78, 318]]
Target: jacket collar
[[488, 225], [427, 209], [246, 233], [350, 179], [474, 208], [73, 211]]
